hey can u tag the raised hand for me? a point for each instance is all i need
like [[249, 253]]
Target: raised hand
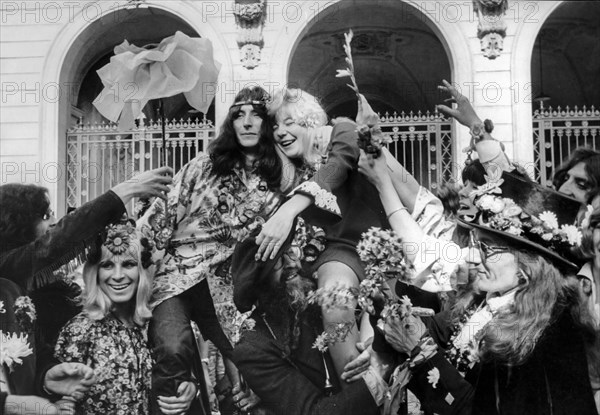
[[375, 169], [365, 114], [464, 112], [151, 183], [403, 334]]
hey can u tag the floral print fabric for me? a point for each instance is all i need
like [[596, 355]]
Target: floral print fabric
[[121, 361], [195, 238]]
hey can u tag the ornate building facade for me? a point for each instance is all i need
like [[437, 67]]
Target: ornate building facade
[[510, 58]]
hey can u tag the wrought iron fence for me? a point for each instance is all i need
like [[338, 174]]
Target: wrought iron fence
[[557, 132], [100, 156], [423, 144]]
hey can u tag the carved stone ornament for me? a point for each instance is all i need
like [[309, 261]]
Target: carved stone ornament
[[250, 19], [491, 29]]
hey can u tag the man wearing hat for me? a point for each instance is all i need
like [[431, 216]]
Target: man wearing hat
[[276, 357]]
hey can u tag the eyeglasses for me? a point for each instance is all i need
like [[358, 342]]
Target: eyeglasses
[[489, 251], [49, 213]]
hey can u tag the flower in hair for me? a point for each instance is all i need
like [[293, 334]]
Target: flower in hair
[[118, 237], [309, 121]]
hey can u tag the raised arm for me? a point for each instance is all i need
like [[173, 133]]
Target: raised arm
[[489, 150], [74, 231]]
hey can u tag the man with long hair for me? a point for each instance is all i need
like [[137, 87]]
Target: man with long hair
[[217, 199], [277, 357]]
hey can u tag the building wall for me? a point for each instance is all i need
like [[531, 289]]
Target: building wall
[[36, 37]]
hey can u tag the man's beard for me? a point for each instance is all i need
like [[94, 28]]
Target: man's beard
[[288, 297], [283, 307]]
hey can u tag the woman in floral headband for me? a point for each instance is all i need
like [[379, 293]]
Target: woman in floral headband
[[34, 244], [109, 334]]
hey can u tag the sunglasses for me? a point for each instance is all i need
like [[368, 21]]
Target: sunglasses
[[489, 251], [486, 250]]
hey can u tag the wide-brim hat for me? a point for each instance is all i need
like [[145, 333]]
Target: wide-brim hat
[[251, 277], [536, 203]]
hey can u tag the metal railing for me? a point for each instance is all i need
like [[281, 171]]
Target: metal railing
[[100, 156], [557, 132], [423, 144]]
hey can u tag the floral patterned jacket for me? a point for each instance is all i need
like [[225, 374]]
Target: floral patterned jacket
[[121, 361], [205, 218]]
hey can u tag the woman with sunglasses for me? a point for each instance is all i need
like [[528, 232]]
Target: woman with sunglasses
[[521, 350]]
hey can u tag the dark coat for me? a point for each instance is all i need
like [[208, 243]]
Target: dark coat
[[294, 383], [31, 267], [554, 379]]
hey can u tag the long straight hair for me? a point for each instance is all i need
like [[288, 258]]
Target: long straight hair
[[226, 153], [97, 305]]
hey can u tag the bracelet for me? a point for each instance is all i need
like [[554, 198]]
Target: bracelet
[[396, 210], [477, 131]]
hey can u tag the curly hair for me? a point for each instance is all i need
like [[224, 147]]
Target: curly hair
[[226, 152], [512, 335], [306, 112], [96, 303], [22, 206], [591, 161]]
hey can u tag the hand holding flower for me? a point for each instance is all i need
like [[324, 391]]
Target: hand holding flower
[[374, 169], [403, 334]]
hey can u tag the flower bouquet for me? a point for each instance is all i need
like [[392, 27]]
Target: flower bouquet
[[383, 254], [370, 137]]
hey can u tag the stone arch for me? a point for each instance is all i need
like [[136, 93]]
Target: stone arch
[[448, 33], [70, 43], [525, 59]]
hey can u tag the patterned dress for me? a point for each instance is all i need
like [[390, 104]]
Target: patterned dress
[[121, 361], [206, 217]]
